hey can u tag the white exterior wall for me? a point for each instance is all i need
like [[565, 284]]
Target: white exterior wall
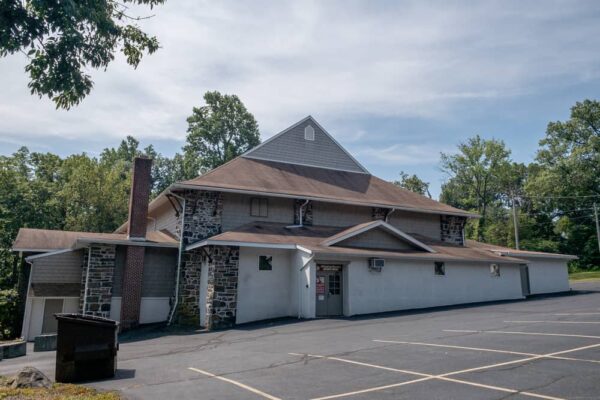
[[36, 313], [548, 276], [263, 294], [412, 284], [304, 271], [152, 309]]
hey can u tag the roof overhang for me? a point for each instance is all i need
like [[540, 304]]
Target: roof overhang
[[210, 242], [49, 253], [322, 199], [87, 241], [550, 256], [422, 257]]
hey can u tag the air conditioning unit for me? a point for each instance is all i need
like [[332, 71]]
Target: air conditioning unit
[[376, 264]]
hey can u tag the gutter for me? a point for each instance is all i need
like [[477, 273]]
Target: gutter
[[179, 254], [300, 209], [27, 313]]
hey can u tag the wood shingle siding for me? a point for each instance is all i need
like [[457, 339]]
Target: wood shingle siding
[[423, 224], [292, 147], [163, 219], [158, 279], [376, 239], [58, 268], [236, 211]]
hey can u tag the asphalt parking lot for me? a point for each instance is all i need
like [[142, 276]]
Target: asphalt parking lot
[[544, 348]]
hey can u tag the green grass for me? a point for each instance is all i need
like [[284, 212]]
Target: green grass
[[57, 391], [584, 275]]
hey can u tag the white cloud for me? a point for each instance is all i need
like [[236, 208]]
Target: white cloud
[[330, 59]]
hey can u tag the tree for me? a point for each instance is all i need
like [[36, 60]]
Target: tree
[[413, 183], [478, 177], [566, 182], [63, 39], [218, 132]]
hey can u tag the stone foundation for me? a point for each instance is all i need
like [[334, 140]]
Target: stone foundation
[[100, 282], [452, 229], [221, 295]]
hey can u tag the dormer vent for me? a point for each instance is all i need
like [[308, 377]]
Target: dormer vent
[[309, 133]]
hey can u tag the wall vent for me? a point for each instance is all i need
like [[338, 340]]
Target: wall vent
[[309, 133]]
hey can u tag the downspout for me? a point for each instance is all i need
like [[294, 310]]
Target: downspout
[[301, 287], [87, 279], [178, 261], [300, 224], [387, 216], [27, 312]]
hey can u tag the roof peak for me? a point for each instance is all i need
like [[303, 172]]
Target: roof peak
[[306, 143]]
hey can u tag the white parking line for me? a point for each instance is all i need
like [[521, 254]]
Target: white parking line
[[579, 313], [445, 377], [523, 333], [553, 322], [236, 383], [425, 377], [486, 350]]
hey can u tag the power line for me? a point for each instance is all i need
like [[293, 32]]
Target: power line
[[559, 197]]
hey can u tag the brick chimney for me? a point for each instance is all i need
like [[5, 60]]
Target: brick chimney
[[136, 230]]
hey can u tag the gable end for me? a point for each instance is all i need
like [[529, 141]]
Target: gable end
[[306, 143]]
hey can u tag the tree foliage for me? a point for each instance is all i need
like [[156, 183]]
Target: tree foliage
[[63, 39], [478, 177], [218, 132], [413, 183]]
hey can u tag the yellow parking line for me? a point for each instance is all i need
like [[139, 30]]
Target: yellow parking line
[[236, 383], [369, 390]]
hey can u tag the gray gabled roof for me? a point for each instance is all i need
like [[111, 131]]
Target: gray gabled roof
[[291, 147]]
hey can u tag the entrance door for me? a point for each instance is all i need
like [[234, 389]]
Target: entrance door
[[329, 290], [51, 307], [525, 280]]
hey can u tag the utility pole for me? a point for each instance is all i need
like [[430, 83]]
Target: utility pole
[[597, 225], [516, 223]]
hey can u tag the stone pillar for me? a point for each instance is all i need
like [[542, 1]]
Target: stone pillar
[[379, 213], [221, 295], [452, 228], [100, 281], [188, 309], [307, 212], [203, 215]]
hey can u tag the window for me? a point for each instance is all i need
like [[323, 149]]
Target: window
[[259, 207], [309, 133], [265, 263], [440, 268], [495, 269]]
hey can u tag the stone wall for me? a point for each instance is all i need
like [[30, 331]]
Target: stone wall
[[221, 294], [307, 212], [188, 308], [203, 215], [100, 282], [379, 213], [452, 229]]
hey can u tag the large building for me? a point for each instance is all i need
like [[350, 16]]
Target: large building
[[294, 227]]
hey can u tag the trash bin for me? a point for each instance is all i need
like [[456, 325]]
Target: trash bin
[[86, 348]]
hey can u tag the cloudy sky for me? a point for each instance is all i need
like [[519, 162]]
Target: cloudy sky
[[395, 82]]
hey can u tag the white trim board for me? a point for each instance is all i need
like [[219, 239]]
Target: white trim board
[[380, 224]]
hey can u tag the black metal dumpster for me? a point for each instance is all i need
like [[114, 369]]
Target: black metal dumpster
[[86, 348]]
